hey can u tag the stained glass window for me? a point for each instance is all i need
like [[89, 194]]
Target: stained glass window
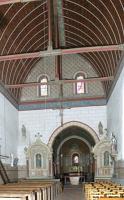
[[80, 86], [43, 89]]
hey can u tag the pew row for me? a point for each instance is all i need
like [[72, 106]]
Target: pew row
[[30, 190], [103, 190]]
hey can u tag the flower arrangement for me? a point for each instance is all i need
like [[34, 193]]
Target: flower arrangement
[[75, 168]]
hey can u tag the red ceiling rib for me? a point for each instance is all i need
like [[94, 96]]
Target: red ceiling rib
[[89, 43], [78, 11], [62, 52], [97, 38], [24, 48], [21, 85], [38, 25], [100, 32], [16, 78], [26, 28], [4, 2]]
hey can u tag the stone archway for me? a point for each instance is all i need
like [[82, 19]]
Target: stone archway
[[76, 137], [72, 133], [69, 124]]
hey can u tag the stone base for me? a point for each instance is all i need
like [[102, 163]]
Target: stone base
[[119, 169], [74, 180], [22, 172], [100, 178], [12, 172]]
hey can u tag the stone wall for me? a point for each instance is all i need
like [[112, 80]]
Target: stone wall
[[8, 129], [70, 65], [115, 121], [47, 121]]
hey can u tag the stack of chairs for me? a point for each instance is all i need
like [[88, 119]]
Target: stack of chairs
[[30, 190], [103, 191]]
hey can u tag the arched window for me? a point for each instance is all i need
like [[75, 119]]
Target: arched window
[[80, 87], [106, 158], [38, 161], [75, 159], [43, 89]]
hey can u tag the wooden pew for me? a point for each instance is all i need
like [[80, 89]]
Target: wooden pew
[[56, 187], [111, 198], [39, 191], [46, 188], [23, 195], [31, 190], [101, 190]]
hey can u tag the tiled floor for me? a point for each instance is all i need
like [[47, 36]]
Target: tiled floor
[[71, 193]]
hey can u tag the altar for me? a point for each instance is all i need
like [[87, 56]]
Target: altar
[[71, 177]]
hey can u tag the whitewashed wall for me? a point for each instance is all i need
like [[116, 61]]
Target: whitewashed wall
[[46, 121], [115, 114], [8, 128]]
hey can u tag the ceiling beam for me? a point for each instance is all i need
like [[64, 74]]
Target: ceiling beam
[[55, 52], [49, 25], [3, 2], [59, 82]]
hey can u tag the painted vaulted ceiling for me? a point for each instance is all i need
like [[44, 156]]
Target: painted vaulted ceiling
[[36, 26]]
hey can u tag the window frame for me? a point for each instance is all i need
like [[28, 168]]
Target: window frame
[[42, 76], [77, 74], [73, 156]]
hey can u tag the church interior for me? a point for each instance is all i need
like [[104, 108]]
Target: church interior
[[61, 99]]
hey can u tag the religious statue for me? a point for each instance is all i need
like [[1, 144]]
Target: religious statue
[[23, 129], [100, 127], [38, 160], [106, 158], [76, 159], [15, 162], [11, 159], [113, 144]]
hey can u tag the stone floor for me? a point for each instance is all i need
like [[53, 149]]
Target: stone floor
[[71, 193]]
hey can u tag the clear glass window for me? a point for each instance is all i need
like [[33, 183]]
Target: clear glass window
[[43, 89], [80, 85]]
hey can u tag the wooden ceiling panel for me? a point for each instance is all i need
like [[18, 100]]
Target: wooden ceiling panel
[[93, 23], [26, 27]]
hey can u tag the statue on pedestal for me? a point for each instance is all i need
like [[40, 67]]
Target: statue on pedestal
[[113, 144], [100, 127]]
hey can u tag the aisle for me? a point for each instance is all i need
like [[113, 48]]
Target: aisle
[[71, 193]]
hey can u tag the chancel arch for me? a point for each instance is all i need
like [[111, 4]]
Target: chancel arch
[[75, 137], [69, 124], [72, 150]]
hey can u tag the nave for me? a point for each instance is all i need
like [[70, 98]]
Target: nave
[[52, 190], [72, 192]]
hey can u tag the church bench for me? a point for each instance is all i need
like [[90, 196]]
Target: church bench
[[14, 198], [23, 195], [36, 192], [56, 185], [94, 191], [103, 198], [40, 191], [46, 188]]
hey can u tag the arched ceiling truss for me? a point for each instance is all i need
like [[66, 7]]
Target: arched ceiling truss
[[27, 28]]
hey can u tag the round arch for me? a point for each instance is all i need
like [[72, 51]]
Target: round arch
[[69, 124], [76, 137]]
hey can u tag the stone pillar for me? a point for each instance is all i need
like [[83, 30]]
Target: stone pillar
[[120, 169]]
